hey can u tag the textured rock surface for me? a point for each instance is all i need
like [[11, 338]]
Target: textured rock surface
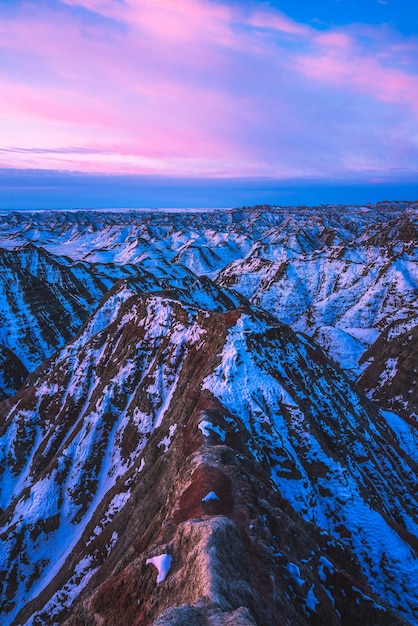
[[128, 429], [12, 373], [391, 376]]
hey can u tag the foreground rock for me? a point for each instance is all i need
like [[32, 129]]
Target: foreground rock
[[226, 445]]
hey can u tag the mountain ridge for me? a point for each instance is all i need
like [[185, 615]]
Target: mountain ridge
[[149, 315], [187, 457]]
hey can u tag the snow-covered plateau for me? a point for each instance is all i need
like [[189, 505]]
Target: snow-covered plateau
[[209, 417]]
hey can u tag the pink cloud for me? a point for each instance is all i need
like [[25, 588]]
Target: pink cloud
[[128, 100], [364, 60], [362, 73], [276, 21], [188, 20], [192, 86], [334, 40]]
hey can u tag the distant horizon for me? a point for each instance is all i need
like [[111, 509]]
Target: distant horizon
[[202, 209], [57, 190]]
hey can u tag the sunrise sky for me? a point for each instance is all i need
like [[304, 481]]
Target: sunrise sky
[[151, 102]]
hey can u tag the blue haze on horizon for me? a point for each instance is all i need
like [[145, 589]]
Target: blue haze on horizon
[[207, 102], [62, 190]]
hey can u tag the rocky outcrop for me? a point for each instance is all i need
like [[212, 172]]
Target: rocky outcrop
[[12, 373], [391, 372]]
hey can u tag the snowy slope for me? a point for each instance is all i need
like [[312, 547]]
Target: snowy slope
[[346, 288], [72, 433], [43, 302], [391, 368], [329, 454]]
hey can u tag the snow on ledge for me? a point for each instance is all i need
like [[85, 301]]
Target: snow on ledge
[[210, 496], [294, 571], [205, 426], [163, 564]]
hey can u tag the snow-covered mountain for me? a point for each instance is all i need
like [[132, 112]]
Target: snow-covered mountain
[[45, 299], [344, 294], [341, 274], [181, 455]]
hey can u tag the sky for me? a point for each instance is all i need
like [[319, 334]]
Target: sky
[[207, 102]]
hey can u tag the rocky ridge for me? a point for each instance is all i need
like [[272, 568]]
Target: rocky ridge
[[198, 403], [176, 464]]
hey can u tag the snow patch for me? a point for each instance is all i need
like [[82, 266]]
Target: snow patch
[[166, 441], [294, 572], [163, 564], [324, 564], [206, 427], [210, 496], [311, 600]]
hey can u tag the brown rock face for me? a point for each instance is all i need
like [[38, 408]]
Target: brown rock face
[[12, 373], [391, 377], [233, 559]]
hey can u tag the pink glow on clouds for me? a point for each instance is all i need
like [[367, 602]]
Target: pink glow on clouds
[[334, 40], [198, 87], [182, 21], [56, 106], [276, 21], [362, 73]]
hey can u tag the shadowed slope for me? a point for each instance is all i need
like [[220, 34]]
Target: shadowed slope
[[12, 373], [391, 372]]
